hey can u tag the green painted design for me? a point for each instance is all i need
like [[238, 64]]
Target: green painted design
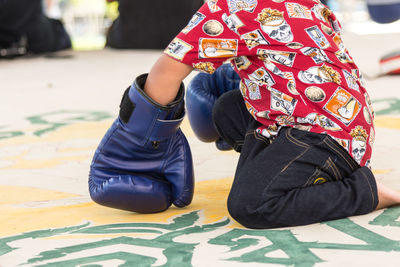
[[11, 134], [127, 260], [389, 217], [53, 120], [166, 239], [57, 119], [180, 222], [393, 107], [298, 253], [177, 253], [4, 248], [372, 241]]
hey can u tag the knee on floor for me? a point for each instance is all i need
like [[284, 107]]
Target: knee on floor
[[243, 213], [255, 216]]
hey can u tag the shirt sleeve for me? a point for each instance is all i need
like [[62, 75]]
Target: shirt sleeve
[[209, 39]]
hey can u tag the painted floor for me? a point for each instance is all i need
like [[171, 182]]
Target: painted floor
[[55, 110]]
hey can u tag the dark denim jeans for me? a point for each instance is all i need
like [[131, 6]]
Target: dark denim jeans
[[299, 178]]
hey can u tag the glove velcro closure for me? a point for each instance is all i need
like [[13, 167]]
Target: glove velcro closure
[[147, 120]]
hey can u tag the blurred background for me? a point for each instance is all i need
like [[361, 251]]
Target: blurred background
[[41, 27], [87, 21]]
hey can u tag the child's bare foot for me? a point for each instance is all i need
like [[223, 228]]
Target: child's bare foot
[[387, 197]]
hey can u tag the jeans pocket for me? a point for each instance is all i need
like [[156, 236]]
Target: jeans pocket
[[327, 172]]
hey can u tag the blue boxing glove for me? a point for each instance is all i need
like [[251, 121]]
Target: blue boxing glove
[[384, 11], [203, 90], [143, 163]]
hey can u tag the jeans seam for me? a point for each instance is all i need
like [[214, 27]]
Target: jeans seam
[[292, 139], [314, 174], [259, 137], [293, 160], [334, 169], [283, 169], [237, 145], [370, 190], [351, 164], [248, 133]]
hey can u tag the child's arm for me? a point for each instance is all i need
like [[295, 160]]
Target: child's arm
[[164, 79], [387, 197]]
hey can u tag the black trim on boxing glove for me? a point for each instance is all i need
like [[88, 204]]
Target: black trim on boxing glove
[[126, 107]]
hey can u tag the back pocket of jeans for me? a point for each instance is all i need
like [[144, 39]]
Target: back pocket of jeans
[[327, 173]]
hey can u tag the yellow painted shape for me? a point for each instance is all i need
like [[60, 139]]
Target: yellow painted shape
[[74, 149], [21, 162], [186, 128], [26, 159], [58, 140], [387, 122], [76, 131], [19, 194], [108, 236], [90, 131], [228, 152], [210, 197], [380, 171]]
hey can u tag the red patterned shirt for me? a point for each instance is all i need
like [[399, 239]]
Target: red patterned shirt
[[294, 68]]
